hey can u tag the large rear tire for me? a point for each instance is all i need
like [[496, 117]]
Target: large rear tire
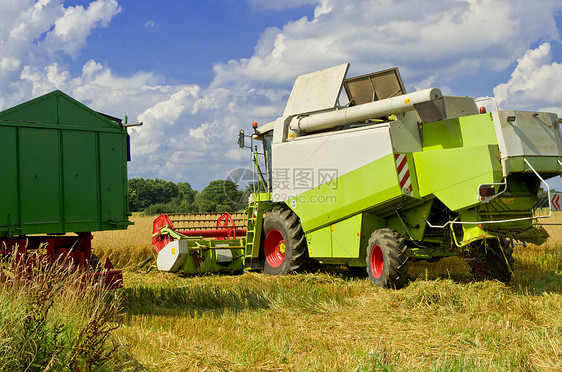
[[387, 260], [493, 260], [284, 244]]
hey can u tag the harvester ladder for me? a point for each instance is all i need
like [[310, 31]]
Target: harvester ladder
[[255, 214], [251, 214]]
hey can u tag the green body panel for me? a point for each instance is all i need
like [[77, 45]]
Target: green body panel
[[372, 186], [542, 164], [346, 237], [340, 240], [465, 168], [10, 182], [40, 183], [344, 242], [64, 168], [320, 243], [467, 131], [202, 256]]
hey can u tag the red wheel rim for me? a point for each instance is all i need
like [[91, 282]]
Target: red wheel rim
[[377, 261], [274, 248]]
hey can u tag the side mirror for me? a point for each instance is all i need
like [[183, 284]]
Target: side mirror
[[241, 139]]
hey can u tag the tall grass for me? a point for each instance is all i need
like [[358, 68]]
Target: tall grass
[[56, 321]]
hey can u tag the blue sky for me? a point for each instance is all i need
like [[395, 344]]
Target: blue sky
[[195, 72], [182, 39]]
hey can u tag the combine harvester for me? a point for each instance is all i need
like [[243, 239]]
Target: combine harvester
[[387, 178]]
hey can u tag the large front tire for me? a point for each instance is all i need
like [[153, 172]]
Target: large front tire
[[387, 260], [284, 245]]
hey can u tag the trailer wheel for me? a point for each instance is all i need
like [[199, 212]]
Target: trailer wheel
[[387, 260], [493, 260], [284, 245]]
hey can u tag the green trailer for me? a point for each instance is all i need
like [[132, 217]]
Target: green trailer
[[391, 176], [64, 175]]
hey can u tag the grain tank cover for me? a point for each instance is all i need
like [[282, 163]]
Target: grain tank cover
[[316, 91], [64, 168]]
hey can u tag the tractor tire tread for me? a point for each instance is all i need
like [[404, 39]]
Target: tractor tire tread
[[296, 240], [396, 267]]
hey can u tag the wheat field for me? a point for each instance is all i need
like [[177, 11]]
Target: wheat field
[[332, 320], [126, 248]]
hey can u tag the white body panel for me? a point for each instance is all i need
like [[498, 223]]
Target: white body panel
[[529, 134], [307, 162], [172, 256], [224, 255], [405, 133]]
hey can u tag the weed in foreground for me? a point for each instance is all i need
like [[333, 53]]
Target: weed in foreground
[[56, 321]]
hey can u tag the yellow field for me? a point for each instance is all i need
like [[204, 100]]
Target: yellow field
[[333, 321], [126, 248]]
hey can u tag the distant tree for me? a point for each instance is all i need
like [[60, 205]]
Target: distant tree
[[138, 196], [144, 193], [219, 196], [163, 191], [186, 192]]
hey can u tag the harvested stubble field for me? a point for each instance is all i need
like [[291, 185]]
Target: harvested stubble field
[[334, 321]]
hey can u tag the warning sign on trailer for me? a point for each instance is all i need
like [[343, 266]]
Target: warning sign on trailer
[[556, 201]]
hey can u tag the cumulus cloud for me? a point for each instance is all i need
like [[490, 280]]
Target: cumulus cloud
[[193, 134], [535, 84], [429, 40], [71, 30], [31, 32], [98, 87]]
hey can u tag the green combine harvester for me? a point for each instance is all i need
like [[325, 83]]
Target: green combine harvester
[[387, 178]]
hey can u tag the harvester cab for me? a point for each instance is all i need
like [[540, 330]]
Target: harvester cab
[[389, 176]]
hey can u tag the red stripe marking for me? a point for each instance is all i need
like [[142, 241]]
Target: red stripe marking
[[402, 164], [405, 178]]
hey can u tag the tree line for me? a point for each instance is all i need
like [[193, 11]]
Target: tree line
[[156, 196]]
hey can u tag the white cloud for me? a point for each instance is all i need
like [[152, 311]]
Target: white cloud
[[73, 28], [192, 135], [98, 87], [535, 84], [9, 64], [429, 40], [32, 32]]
